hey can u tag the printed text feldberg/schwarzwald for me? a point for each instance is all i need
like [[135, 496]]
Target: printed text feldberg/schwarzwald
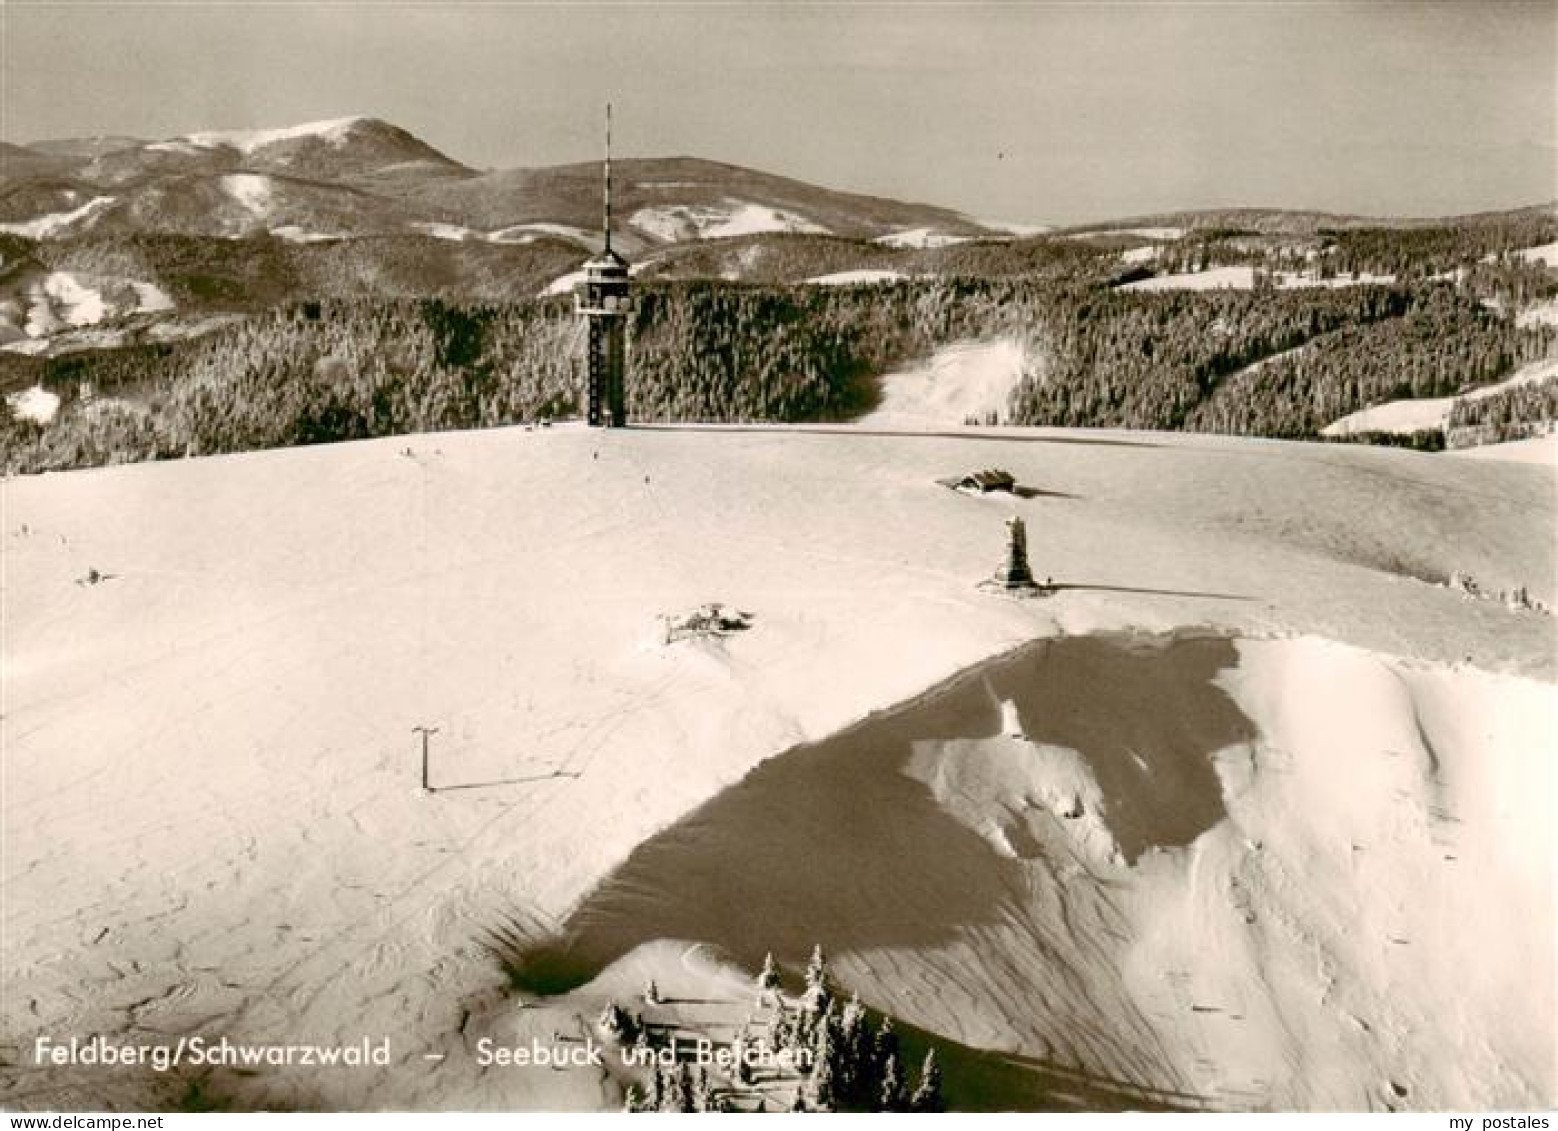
[[202, 1052]]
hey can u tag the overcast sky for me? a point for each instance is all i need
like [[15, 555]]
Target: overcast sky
[[1018, 111]]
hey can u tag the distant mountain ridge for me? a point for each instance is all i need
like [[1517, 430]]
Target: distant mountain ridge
[[1297, 222], [361, 176]]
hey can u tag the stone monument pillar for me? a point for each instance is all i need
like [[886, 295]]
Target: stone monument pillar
[[1015, 574]]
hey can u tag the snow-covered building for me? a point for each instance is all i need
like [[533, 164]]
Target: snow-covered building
[[983, 482]]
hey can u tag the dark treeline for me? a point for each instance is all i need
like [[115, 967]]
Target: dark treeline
[[353, 368], [1148, 360], [1443, 343], [1510, 414], [263, 271], [1415, 253], [1483, 256]]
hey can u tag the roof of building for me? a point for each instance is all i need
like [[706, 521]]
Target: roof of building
[[608, 262], [991, 479]]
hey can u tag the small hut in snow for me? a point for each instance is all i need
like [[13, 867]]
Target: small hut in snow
[[984, 482]]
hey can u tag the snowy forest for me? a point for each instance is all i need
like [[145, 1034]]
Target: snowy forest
[[1267, 361], [818, 1051]]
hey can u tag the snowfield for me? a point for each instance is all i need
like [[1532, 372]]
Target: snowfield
[[675, 222], [920, 238], [1538, 314], [295, 233], [56, 225], [65, 302], [864, 275], [335, 131], [1539, 450], [528, 233], [254, 192], [515, 234], [1238, 817], [36, 404], [1547, 254]]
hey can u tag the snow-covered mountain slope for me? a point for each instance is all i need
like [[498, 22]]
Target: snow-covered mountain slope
[[1192, 871], [676, 222], [53, 225], [663, 200], [335, 131], [212, 824]]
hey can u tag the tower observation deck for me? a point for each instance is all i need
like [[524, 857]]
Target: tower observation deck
[[603, 300]]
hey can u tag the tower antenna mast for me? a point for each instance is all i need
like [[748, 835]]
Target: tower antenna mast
[[607, 218]]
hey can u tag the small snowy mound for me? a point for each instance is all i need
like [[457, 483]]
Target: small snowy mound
[[968, 380], [863, 276], [676, 222]]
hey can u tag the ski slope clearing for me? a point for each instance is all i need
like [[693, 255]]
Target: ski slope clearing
[[212, 824], [963, 381]]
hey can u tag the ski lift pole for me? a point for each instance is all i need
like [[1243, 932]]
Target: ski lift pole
[[425, 732]]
